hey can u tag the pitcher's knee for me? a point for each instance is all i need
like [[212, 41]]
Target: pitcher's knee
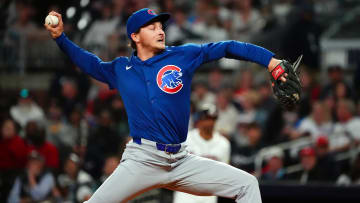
[[254, 181], [247, 187], [246, 179]]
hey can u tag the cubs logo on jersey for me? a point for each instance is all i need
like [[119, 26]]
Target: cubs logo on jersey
[[168, 79]]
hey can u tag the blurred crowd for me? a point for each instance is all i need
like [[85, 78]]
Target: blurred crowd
[[64, 144], [287, 27]]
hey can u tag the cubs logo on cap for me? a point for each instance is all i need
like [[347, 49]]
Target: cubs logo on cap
[[168, 79], [141, 17], [151, 12]]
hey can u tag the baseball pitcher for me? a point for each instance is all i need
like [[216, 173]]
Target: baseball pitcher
[[155, 85]]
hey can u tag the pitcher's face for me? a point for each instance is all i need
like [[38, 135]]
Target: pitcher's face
[[152, 36]]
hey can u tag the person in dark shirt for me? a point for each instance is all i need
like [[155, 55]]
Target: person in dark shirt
[[326, 161], [310, 172], [35, 184], [36, 140], [13, 155]]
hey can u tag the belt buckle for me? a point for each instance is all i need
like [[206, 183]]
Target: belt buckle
[[165, 150]]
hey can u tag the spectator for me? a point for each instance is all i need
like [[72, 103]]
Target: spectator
[[111, 163], [75, 184], [244, 156], [246, 21], [96, 37], [197, 19], [58, 131], [244, 84], [201, 95], [12, 147], [36, 141], [167, 6], [35, 184], [342, 91], [214, 24], [335, 75], [353, 177], [70, 97], [192, 115], [103, 141], [347, 128], [249, 102], [180, 29], [205, 142], [120, 116], [238, 138], [98, 97], [269, 108], [19, 34], [330, 103], [297, 40], [117, 40], [310, 172], [326, 161], [319, 122], [26, 109], [281, 9], [216, 79], [227, 119], [78, 131], [13, 155], [267, 101], [73, 75], [274, 168], [310, 93]]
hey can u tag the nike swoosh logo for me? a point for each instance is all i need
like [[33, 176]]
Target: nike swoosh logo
[[128, 67]]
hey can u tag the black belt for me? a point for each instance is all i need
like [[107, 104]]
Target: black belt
[[168, 148]]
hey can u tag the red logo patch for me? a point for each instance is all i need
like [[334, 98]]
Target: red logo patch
[[151, 12], [277, 72], [168, 79]]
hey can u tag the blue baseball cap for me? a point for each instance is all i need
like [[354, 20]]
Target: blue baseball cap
[[141, 17]]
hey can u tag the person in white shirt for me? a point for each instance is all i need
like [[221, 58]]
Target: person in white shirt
[[206, 142], [227, 116], [26, 109], [318, 123], [347, 128]]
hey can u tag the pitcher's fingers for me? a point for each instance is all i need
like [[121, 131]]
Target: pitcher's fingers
[[53, 13], [282, 78], [57, 15], [50, 28], [47, 27]]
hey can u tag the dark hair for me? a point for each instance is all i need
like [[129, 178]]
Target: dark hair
[[207, 111], [132, 44], [254, 125]]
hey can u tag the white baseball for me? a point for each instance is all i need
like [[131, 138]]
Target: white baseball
[[51, 20]]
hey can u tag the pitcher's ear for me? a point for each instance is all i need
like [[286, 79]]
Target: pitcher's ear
[[134, 37]]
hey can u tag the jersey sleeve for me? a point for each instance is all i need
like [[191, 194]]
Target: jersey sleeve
[[88, 62], [229, 49]]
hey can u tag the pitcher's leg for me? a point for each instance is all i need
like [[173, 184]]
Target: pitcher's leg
[[201, 176], [130, 178]]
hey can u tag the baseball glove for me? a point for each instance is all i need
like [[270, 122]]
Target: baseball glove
[[289, 92]]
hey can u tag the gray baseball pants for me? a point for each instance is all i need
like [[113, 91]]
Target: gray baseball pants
[[143, 168]]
